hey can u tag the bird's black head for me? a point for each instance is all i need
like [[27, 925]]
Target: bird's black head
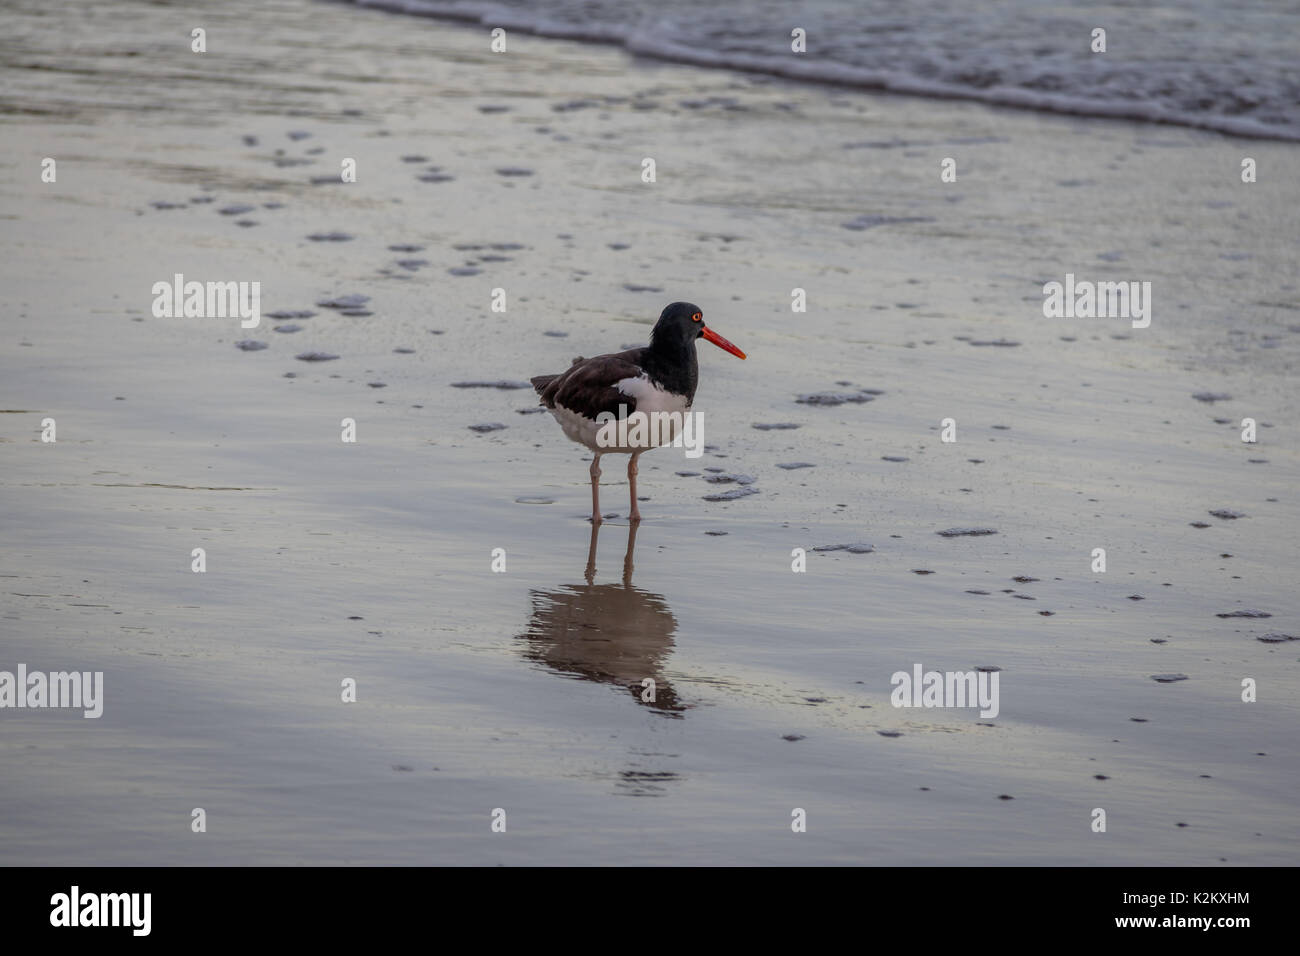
[[681, 323]]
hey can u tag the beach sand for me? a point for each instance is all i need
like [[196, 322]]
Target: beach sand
[[520, 690]]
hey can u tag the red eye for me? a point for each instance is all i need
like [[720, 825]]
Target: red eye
[[697, 317]]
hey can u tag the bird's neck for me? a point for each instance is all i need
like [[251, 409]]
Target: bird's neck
[[673, 365]]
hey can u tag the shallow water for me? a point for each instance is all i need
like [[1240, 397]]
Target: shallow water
[[521, 690]]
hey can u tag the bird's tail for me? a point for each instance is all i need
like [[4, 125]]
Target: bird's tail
[[541, 381]]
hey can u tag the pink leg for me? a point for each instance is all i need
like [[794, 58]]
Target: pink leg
[[635, 513], [595, 490]]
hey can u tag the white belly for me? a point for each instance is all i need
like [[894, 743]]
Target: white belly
[[661, 412]]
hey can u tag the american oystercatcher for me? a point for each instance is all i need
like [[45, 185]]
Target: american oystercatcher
[[658, 378]]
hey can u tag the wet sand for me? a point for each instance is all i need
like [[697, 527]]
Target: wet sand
[[518, 690]]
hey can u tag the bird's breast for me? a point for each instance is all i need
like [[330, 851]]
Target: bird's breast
[[650, 396]]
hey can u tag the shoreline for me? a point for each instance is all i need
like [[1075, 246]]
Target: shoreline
[[837, 76]]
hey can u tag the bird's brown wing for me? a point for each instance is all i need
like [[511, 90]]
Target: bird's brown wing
[[590, 387]]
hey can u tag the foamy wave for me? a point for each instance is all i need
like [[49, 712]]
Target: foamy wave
[[656, 42]]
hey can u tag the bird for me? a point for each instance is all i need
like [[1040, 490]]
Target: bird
[[595, 399]]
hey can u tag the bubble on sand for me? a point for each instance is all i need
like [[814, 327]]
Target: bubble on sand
[[831, 399], [731, 495], [250, 345], [866, 221], [352, 301], [723, 479]]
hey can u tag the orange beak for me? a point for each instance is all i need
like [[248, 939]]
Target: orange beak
[[720, 342]]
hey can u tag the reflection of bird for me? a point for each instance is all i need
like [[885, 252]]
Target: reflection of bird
[[658, 378], [611, 633]]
